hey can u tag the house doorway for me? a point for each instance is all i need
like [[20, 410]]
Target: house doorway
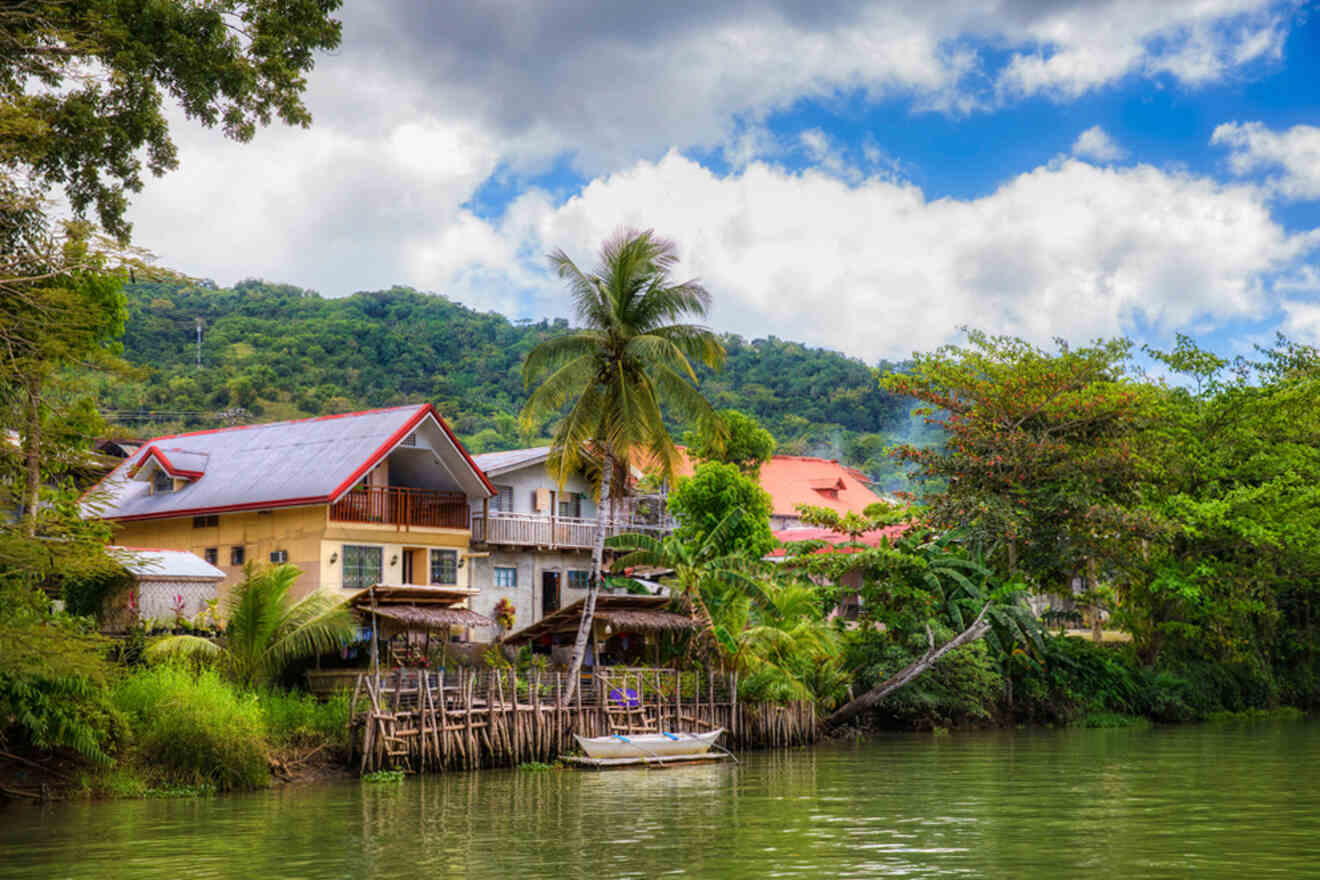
[[549, 592], [414, 566]]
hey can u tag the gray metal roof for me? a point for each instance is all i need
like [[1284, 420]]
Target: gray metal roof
[[147, 564], [499, 462], [281, 464]]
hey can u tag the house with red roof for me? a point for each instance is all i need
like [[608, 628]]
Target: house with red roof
[[382, 497], [792, 480]]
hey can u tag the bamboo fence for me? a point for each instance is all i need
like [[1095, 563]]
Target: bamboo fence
[[423, 720]]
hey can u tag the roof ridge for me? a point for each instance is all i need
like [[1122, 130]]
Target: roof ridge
[[363, 412]]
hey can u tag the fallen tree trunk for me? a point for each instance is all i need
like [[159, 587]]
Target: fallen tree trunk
[[905, 676]]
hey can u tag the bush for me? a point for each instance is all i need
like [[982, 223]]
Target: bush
[[296, 719], [965, 687], [194, 729]]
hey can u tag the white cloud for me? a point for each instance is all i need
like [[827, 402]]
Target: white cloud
[[1293, 155], [1302, 321], [876, 269], [1095, 143], [426, 103]]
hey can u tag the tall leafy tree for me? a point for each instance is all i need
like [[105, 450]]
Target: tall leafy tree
[[1041, 465], [702, 502], [83, 84], [633, 354], [740, 440], [1230, 576]]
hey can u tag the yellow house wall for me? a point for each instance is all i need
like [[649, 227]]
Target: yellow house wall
[[395, 543], [296, 530], [305, 533]]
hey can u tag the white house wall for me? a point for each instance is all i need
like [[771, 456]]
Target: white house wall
[[528, 479]]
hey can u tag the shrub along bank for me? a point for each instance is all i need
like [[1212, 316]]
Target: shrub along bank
[[1072, 681], [189, 731]]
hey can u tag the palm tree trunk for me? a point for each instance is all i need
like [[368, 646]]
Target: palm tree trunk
[[593, 588]]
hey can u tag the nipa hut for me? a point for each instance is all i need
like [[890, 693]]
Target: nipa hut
[[625, 630], [409, 615]]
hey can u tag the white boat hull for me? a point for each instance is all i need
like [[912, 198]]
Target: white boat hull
[[645, 745]]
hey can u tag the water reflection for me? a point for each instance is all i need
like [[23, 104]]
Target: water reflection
[[1218, 801]]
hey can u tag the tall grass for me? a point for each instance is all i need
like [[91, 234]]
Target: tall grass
[[296, 720], [194, 728]]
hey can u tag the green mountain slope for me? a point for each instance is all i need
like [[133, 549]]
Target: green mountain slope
[[280, 352]]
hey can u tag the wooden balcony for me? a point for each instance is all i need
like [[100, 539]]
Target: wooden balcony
[[402, 507], [555, 532]]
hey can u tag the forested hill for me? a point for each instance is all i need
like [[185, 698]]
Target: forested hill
[[281, 352]]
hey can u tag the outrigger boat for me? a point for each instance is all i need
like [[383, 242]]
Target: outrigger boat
[[649, 748]]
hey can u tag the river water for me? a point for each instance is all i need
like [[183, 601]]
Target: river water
[[1214, 801]]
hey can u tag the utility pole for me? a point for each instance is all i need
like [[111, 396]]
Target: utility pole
[[199, 342]]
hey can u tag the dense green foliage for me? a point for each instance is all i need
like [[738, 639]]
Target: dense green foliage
[[266, 629], [705, 500], [282, 352], [1187, 507], [737, 439], [191, 728]]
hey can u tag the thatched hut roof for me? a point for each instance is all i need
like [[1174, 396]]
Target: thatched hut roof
[[420, 617], [637, 613], [416, 607]]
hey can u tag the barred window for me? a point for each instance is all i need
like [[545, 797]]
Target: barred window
[[503, 500], [211, 555], [579, 580], [237, 556], [506, 576], [444, 567], [363, 566]]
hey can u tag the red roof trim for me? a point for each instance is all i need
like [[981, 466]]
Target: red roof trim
[[394, 440], [154, 452], [229, 508], [453, 438]]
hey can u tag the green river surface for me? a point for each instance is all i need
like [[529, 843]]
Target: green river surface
[[1239, 800]]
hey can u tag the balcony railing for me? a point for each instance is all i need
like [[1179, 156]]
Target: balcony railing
[[402, 507], [540, 530]]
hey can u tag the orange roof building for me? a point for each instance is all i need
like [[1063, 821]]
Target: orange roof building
[[800, 479]]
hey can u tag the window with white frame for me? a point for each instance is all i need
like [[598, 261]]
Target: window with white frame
[[363, 566], [503, 500], [444, 567], [506, 576]]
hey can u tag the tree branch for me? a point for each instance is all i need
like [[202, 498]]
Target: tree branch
[[909, 673]]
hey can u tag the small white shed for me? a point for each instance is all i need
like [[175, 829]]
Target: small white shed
[[169, 582]]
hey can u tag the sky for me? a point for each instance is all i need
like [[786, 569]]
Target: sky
[[866, 177]]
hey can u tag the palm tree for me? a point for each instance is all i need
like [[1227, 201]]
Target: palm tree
[[700, 570], [749, 620], [784, 644], [633, 353], [265, 629]]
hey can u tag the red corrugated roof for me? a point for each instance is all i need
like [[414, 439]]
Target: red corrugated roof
[[800, 479]]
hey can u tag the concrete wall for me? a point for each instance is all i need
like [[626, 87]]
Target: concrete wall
[[527, 596]]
